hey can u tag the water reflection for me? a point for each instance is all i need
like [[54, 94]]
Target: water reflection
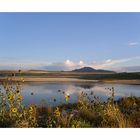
[[53, 93], [85, 86]]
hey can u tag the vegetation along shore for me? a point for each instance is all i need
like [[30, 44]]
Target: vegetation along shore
[[62, 76]]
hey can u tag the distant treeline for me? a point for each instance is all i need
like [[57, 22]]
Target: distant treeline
[[117, 76]]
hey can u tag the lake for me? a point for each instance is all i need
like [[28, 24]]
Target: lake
[[52, 94]]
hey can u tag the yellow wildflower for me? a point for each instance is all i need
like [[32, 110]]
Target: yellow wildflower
[[31, 109], [57, 112], [14, 110], [20, 97], [10, 97], [24, 112], [67, 97]]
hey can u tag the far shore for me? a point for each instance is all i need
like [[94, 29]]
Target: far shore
[[52, 80], [35, 79], [132, 82]]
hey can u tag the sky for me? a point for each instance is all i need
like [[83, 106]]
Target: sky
[[66, 41]]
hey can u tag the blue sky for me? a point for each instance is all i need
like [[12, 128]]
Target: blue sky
[[64, 41]]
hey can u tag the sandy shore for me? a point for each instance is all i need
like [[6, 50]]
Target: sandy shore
[[58, 80], [82, 80], [133, 82], [35, 79]]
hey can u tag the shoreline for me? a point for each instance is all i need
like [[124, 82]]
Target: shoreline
[[130, 82], [69, 80], [26, 79]]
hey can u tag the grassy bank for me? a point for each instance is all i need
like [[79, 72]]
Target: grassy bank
[[61, 76]]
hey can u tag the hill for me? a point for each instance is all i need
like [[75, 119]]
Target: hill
[[89, 69]]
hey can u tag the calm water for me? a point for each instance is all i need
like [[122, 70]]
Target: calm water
[[45, 93]]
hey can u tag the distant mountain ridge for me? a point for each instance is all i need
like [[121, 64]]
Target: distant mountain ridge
[[89, 69]]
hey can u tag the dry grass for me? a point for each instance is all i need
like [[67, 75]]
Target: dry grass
[[122, 81]]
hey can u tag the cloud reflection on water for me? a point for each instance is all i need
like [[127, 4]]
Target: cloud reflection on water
[[47, 92]]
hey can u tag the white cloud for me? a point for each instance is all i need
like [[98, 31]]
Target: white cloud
[[109, 63], [68, 65], [133, 44], [81, 63], [113, 64]]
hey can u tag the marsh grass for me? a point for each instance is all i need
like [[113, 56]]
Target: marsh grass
[[89, 112]]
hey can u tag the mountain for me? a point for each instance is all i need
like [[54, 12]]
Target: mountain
[[89, 69]]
